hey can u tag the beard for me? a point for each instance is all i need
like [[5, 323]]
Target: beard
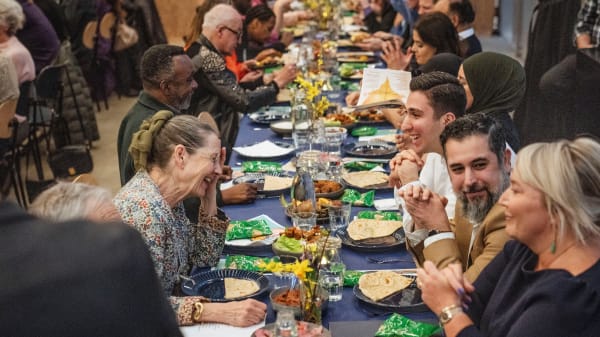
[[185, 102], [475, 210]]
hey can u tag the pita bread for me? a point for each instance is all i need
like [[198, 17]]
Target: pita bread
[[235, 287], [361, 229], [273, 183], [365, 179], [381, 284]]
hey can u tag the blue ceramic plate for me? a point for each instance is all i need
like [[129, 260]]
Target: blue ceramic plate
[[211, 284]]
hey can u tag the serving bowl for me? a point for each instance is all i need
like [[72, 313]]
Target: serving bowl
[[322, 298]]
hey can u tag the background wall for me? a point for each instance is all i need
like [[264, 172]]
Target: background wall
[[176, 17], [514, 23]]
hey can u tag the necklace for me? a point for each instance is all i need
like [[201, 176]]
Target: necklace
[[556, 257]]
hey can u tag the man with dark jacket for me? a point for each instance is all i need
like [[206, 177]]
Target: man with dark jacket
[[219, 92]]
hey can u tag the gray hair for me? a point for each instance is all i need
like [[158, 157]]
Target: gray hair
[[67, 201], [11, 16], [220, 14], [568, 174]]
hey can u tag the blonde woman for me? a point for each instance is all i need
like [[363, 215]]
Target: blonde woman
[[547, 281]]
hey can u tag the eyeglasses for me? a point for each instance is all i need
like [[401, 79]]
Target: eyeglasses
[[215, 158], [236, 32]]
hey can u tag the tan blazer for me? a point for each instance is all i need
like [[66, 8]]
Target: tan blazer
[[489, 241]]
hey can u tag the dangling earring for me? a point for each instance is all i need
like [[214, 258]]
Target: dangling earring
[[553, 244]]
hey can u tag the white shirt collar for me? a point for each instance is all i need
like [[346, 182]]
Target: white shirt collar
[[466, 33]]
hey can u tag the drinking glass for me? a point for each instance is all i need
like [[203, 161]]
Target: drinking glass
[[304, 220], [332, 279], [339, 215]]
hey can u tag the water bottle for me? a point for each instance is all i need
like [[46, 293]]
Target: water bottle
[[301, 122], [303, 191]]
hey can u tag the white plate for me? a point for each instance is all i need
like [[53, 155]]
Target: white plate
[[265, 149], [276, 228]]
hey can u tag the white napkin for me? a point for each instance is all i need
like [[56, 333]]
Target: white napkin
[[263, 149], [218, 330], [386, 204]]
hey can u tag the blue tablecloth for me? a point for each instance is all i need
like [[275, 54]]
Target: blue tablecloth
[[348, 309]]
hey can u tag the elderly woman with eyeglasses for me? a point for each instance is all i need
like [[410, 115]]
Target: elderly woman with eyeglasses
[[175, 158]]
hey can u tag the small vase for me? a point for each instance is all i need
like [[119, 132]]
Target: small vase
[[311, 302]]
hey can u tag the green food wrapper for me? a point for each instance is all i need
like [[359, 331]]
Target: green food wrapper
[[379, 215], [351, 277], [364, 131], [247, 229], [245, 262], [261, 166], [360, 166], [400, 326], [357, 199]]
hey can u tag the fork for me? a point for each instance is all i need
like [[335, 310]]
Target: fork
[[386, 260]]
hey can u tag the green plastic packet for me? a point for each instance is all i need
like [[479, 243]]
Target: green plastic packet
[[247, 229], [379, 215], [245, 262], [351, 277], [364, 131], [261, 166], [352, 196], [360, 166], [400, 326]]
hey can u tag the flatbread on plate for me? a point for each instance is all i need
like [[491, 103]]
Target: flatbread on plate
[[361, 229], [381, 284], [273, 183], [364, 179], [235, 287]]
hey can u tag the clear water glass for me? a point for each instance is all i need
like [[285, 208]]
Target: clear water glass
[[304, 220], [332, 279], [285, 326], [339, 216]]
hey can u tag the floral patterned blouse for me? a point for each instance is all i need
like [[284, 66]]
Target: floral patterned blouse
[[175, 244]]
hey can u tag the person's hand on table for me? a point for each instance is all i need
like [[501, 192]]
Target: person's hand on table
[[285, 75], [239, 313], [239, 194], [352, 98], [393, 55], [426, 208]]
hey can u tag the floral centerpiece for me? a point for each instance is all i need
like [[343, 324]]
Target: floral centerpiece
[[316, 102]]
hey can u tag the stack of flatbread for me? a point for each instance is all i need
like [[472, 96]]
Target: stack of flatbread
[[361, 229], [381, 284], [365, 179], [235, 287], [273, 183]]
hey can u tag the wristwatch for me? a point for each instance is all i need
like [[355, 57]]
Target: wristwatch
[[448, 313]]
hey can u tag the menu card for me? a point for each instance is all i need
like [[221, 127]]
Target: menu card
[[380, 85]]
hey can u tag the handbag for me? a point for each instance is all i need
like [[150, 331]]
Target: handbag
[[70, 160], [125, 37]]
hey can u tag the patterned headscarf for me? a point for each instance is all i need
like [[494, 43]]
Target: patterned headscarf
[[141, 143]]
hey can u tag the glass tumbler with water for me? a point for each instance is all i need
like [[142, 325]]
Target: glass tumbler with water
[[331, 271], [285, 326]]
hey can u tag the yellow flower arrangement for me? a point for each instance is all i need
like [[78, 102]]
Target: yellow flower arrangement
[[299, 268], [313, 90]]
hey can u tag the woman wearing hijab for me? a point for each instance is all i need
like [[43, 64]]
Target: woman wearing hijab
[[495, 85]]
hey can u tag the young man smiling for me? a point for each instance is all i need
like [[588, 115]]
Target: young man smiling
[[436, 100], [478, 165]]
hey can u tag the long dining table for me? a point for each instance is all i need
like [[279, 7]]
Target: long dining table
[[349, 308]]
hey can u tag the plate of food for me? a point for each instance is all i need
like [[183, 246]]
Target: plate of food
[[328, 189], [340, 119], [356, 57], [261, 240], [226, 285], [371, 149], [265, 150], [370, 235], [369, 116], [305, 329], [352, 71], [269, 185], [292, 239], [390, 291], [267, 62], [322, 212], [267, 115], [366, 180]]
